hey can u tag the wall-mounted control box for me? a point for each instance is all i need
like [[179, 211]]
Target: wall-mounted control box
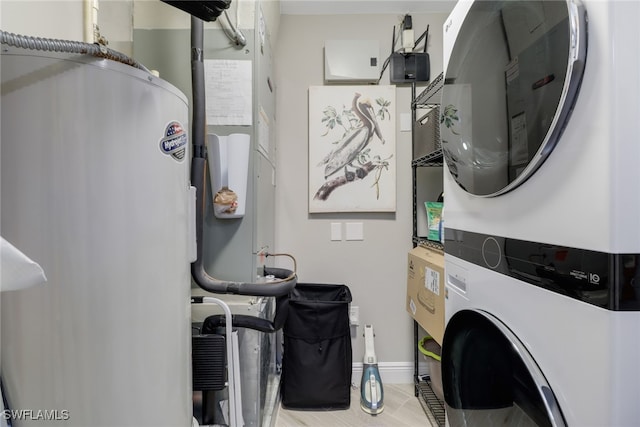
[[351, 61]]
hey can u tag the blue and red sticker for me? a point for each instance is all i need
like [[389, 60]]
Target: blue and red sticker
[[175, 141]]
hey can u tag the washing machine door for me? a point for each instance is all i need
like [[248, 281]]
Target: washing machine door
[[513, 69], [489, 377]]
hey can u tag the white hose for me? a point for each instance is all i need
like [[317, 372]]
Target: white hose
[[233, 422]]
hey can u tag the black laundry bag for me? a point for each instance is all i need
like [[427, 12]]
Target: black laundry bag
[[317, 358]]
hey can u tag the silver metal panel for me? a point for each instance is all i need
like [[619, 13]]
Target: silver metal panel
[[88, 193]]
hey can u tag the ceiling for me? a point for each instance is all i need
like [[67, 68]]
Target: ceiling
[[346, 7]]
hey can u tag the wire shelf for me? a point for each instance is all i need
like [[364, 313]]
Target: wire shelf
[[430, 402], [432, 159], [431, 95], [421, 241]]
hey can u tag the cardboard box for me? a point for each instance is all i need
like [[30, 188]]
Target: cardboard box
[[425, 290]]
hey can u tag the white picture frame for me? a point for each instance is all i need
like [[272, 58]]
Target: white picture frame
[[352, 150]]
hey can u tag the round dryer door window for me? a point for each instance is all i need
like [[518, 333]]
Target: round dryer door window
[[490, 378], [513, 69]]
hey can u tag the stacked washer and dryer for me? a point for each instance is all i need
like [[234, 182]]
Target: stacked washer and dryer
[[541, 137]]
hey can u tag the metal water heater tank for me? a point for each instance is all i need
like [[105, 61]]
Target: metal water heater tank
[[95, 188]]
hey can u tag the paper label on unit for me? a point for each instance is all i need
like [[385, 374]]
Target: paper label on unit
[[432, 280], [174, 141]]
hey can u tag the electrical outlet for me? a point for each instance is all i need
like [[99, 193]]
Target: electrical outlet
[[354, 315]]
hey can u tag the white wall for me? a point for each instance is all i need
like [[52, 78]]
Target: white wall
[[50, 19], [153, 14], [64, 20], [375, 268]]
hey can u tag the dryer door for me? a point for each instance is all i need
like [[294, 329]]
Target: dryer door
[[489, 377], [513, 69]]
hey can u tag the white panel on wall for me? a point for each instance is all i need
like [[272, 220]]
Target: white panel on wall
[[351, 60]]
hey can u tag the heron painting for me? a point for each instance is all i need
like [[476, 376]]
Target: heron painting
[[352, 149]]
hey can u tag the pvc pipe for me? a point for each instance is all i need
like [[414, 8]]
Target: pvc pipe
[[90, 20], [87, 21]]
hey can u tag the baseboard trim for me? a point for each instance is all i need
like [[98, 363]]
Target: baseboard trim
[[390, 372]]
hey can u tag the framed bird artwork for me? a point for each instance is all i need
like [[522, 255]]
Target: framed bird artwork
[[352, 165]]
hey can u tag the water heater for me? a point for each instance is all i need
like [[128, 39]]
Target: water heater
[[95, 188]]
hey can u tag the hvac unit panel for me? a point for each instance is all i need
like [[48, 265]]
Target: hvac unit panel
[[351, 61], [258, 378]]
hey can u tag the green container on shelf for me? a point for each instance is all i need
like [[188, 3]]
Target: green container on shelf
[[434, 215]]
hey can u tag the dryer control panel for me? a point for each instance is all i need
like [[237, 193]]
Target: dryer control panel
[[599, 278]]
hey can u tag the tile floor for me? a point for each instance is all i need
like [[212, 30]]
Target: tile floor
[[401, 409]]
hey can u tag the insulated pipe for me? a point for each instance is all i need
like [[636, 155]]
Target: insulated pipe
[[286, 278], [198, 125]]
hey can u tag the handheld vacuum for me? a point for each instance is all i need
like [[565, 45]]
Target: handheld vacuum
[[371, 392]]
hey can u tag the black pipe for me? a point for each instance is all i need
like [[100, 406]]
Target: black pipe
[[198, 112], [286, 278]]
